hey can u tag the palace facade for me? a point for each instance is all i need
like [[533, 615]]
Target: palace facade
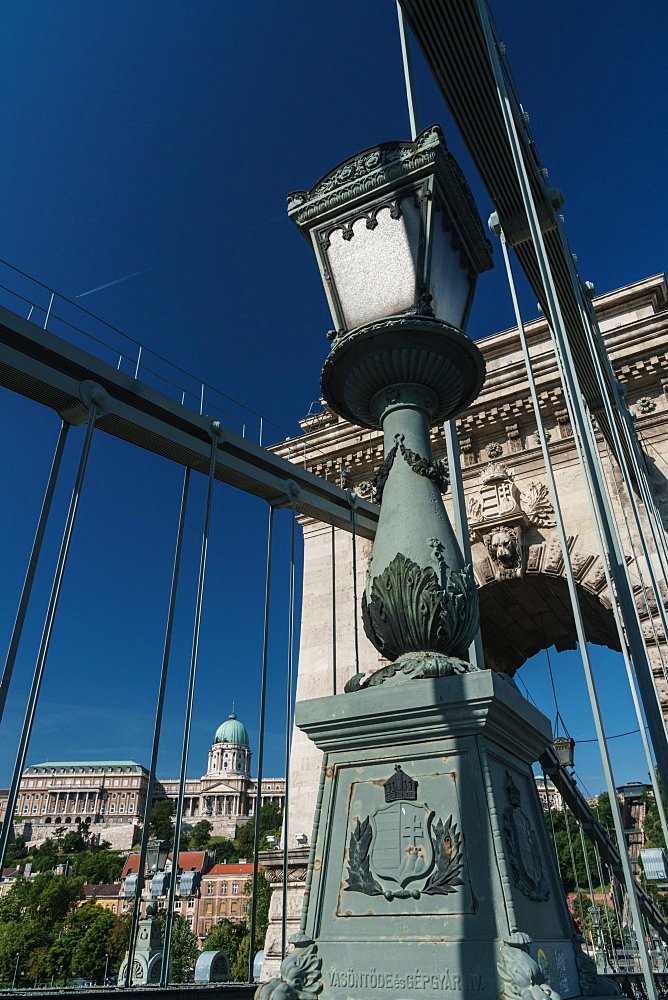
[[112, 794]]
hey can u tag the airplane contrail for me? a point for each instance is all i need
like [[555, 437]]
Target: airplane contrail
[[117, 281]]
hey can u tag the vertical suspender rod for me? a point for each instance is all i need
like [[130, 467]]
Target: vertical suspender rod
[[157, 726], [169, 921], [333, 558], [577, 614], [96, 398], [260, 752], [352, 500], [26, 591], [294, 493]]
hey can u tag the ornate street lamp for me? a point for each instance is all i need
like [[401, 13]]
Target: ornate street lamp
[[564, 747], [400, 245], [157, 852]]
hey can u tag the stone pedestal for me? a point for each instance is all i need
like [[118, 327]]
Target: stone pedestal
[[147, 962], [432, 873], [272, 862]]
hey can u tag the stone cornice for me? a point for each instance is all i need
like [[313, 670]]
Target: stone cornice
[[503, 413]]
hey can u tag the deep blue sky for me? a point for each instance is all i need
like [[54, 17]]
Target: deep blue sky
[[165, 136]]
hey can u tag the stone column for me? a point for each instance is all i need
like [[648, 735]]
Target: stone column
[[272, 862]]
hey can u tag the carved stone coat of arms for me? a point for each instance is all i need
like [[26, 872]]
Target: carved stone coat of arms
[[402, 850]]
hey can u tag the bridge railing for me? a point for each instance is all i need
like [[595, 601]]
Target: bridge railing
[[53, 311]]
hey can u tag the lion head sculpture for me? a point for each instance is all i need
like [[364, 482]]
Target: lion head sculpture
[[503, 545]]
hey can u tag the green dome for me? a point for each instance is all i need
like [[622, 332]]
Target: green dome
[[231, 731]]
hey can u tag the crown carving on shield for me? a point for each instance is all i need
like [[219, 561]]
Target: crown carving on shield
[[400, 786], [514, 795]]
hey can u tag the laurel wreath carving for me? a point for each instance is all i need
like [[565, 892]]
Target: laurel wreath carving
[[360, 878], [382, 473], [444, 878], [448, 859], [436, 471]]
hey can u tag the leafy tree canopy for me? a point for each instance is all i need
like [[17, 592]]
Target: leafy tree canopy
[[183, 951], [98, 866], [226, 851], [47, 897], [161, 826], [201, 835], [652, 826], [226, 936]]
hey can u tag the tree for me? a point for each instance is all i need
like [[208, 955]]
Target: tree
[[608, 927], [47, 897], [201, 834], [65, 954], [652, 825], [239, 968], [161, 826], [262, 900], [271, 818], [183, 949], [17, 850], [29, 939], [98, 866], [119, 939], [603, 811], [90, 954], [270, 823], [46, 856], [73, 842], [226, 936], [226, 851]]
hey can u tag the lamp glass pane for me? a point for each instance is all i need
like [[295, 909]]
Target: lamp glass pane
[[375, 272], [450, 284]]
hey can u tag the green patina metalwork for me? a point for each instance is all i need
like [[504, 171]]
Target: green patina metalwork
[[411, 610], [300, 974]]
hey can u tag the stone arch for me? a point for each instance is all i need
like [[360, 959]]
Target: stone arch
[[526, 607]]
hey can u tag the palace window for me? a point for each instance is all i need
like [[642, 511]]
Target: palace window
[[235, 888], [209, 888]]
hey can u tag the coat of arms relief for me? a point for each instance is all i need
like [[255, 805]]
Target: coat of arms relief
[[402, 850], [499, 515]]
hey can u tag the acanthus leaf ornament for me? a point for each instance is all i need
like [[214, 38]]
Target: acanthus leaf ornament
[[410, 609], [536, 504], [300, 974], [520, 976]]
